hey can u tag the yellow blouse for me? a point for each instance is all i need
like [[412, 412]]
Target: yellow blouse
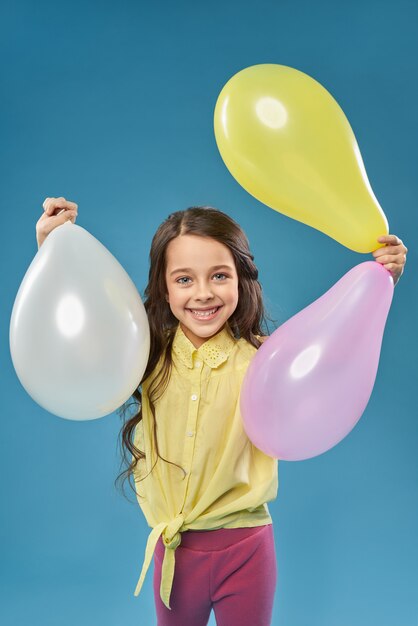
[[228, 480]]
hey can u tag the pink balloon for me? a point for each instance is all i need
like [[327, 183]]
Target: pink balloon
[[309, 383]]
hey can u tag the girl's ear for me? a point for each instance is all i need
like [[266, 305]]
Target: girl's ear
[[167, 298]]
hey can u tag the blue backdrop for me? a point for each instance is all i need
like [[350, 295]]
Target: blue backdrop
[[111, 105]]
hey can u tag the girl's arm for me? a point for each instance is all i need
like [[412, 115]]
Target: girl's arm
[[392, 256], [56, 212]]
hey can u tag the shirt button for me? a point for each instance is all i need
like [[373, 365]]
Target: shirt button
[[197, 364], [190, 433], [194, 397]]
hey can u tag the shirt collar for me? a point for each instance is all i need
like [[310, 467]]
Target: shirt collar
[[213, 352]]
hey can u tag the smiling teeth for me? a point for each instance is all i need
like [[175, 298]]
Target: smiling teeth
[[204, 313]]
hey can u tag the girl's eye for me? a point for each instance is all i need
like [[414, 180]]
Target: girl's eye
[[183, 280]]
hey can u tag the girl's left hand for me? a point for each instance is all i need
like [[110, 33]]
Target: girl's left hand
[[392, 256]]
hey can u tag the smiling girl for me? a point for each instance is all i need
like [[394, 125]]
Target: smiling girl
[[201, 484]]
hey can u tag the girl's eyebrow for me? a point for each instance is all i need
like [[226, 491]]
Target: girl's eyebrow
[[190, 270]]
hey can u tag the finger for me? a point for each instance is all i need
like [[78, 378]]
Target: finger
[[389, 239], [393, 268], [52, 204], [57, 220], [388, 250], [388, 258], [64, 215]]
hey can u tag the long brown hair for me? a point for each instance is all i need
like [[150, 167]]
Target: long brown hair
[[246, 322]]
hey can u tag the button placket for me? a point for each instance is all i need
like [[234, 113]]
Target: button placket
[[190, 432]]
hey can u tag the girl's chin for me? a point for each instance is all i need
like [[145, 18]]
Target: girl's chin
[[200, 335]]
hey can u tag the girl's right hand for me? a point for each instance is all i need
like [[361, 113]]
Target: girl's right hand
[[52, 216]]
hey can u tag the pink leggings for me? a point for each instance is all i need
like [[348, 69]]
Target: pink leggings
[[232, 570]]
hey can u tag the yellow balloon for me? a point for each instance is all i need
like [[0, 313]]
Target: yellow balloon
[[288, 143]]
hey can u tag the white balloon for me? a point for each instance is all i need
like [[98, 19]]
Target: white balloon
[[79, 333]]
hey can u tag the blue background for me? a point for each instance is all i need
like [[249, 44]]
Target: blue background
[[111, 105]]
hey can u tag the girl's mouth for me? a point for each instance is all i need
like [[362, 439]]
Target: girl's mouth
[[207, 314]]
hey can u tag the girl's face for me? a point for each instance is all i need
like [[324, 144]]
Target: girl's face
[[202, 285]]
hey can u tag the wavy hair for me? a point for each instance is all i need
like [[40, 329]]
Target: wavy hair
[[246, 322]]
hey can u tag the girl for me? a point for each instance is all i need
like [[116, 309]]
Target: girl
[[201, 484]]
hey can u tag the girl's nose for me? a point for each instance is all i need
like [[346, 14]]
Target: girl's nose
[[203, 291]]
